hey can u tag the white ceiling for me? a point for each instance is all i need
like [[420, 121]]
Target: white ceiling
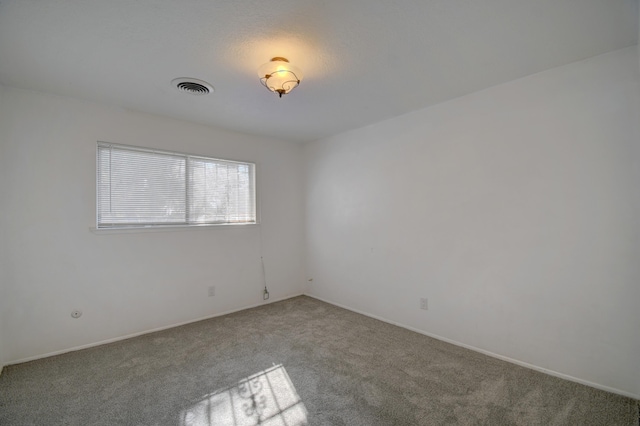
[[363, 60]]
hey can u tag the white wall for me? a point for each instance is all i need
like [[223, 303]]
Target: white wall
[[515, 211], [131, 282]]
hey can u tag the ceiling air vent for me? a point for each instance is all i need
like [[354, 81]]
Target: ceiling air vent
[[193, 86]]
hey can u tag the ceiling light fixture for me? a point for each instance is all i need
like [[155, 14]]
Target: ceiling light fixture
[[279, 76]]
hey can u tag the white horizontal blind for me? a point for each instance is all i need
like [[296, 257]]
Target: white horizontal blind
[[220, 191], [139, 187]]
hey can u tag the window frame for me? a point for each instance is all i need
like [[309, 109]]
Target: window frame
[[175, 226]]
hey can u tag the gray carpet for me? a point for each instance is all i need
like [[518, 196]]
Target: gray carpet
[[300, 361]]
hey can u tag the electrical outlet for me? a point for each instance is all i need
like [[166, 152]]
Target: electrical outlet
[[424, 303], [212, 290]]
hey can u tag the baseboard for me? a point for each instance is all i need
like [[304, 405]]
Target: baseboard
[[141, 333], [485, 352]]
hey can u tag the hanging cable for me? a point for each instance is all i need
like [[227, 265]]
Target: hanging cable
[[265, 292]]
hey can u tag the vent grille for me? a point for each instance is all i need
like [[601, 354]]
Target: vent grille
[[192, 86]]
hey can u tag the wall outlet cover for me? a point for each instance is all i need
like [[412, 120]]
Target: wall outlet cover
[[424, 303]]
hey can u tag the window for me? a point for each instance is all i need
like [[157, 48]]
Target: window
[[138, 187]]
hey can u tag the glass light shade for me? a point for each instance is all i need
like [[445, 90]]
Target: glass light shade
[[280, 76]]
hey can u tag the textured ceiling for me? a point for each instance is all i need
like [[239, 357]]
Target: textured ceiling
[[363, 60]]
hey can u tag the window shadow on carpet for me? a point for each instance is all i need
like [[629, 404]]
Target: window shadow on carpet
[[265, 398]]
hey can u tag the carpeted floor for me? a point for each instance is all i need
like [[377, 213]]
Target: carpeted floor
[[300, 361]]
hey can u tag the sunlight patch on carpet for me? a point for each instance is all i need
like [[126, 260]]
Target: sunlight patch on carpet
[[265, 398]]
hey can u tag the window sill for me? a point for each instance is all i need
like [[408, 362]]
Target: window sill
[[174, 228]]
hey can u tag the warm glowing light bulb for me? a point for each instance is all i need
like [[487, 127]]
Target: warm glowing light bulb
[[279, 76]]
